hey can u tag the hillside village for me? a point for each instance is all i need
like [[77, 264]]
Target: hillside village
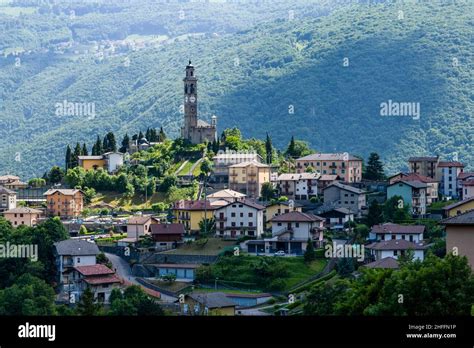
[[214, 224]]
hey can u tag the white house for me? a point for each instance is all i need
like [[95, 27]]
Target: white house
[[390, 231], [72, 253], [240, 218], [100, 279], [299, 186], [290, 233], [395, 248], [113, 160]]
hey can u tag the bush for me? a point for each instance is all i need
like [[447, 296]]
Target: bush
[[277, 285]]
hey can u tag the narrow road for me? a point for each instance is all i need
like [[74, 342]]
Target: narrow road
[[123, 270]]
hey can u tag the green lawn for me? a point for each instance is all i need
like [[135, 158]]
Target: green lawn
[[266, 273], [118, 200], [187, 167], [213, 247], [170, 286]]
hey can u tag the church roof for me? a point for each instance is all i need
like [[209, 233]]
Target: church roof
[[203, 124]]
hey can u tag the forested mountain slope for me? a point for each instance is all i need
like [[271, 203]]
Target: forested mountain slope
[[321, 79]]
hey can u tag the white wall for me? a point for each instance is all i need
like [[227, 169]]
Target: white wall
[[238, 209], [115, 161]]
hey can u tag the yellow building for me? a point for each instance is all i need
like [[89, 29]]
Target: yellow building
[[110, 161], [190, 213], [211, 303], [65, 203], [459, 207], [91, 162], [279, 208], [249, 177], [22, 216]]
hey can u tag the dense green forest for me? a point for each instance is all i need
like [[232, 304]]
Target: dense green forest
[[318, 72]]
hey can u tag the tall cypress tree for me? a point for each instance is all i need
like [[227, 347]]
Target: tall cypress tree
[[148, 134], [105, 145], [111, 143], [269, 149], [291, 147], [75, 156], [162, 135], [97, 149], [140, 135], [84, 150], [125, 142], [68, 158]]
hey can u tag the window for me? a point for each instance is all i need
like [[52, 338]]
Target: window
[[250, 214], [394, 253], [393, 237], [78, 260], [241, 214], [233, 224], [250, 223], [241, 206], [279, 224], [232, 214], [297, 224]]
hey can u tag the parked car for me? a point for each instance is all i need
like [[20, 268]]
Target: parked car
[[280, 253]]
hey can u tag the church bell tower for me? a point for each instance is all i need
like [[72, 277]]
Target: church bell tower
[[190, 102]]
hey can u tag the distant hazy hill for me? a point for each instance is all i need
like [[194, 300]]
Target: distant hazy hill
[[284, 77]]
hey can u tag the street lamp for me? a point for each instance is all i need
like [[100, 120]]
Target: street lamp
[[215, 284]]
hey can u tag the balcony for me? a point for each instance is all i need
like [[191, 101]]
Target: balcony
[[220, 218], [252, 174], [233, 174]]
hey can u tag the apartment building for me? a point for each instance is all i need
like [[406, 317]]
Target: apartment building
[[448, 172], [344, 165], [65, 203], [413, 194], [22, 216], [299, 186], [426, 166], [338, 195], [249, 177], [432, 185], [7, 199], [240, 218]]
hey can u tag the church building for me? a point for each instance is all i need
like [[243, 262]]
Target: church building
[[194, 130]]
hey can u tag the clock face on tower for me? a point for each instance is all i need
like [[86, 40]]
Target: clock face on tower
[[192, 99]]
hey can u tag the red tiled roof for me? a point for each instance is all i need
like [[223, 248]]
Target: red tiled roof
[[107, 279], [94, 270], [193, 205], [468, 183], [139, 220], [465, 175], [450, 164], [415, 177], [400, 229]]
